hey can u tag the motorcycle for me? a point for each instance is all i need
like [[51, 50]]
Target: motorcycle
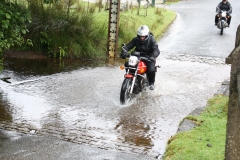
[[222, 21], [135, 78]]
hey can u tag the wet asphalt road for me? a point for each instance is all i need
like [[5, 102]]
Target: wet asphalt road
[[60, 106], [17, 146], [193, 32], [77, 114]]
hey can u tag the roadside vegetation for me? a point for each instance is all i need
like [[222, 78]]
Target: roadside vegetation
[[76, 29], [169, 2], [207, 139], [13, 18]]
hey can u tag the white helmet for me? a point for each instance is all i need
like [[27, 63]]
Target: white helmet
[[143, 31]]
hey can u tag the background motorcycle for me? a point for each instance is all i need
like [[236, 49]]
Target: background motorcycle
[[222, 21], [135, 79]]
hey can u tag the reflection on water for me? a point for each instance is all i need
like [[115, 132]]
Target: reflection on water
[[25, 68], [134, 131], [82, 105], [19, 69], [5, 114], [22, 70]]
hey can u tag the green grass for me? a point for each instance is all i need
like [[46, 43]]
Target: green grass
[[207, 140], [82, 32], [80, 29], [168, 2], [157, 19]]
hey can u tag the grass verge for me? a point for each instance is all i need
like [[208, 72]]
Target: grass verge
[[157, 19], [80, 30], [207, 139]]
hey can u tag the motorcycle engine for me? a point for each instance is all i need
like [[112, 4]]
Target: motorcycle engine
[[136, 88]]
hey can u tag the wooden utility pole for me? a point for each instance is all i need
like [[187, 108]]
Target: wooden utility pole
[[113, 25]]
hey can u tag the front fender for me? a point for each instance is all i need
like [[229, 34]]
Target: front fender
[[128, 76]]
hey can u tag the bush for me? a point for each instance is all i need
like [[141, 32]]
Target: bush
[[14, 18], [58, 29], [64, 29]]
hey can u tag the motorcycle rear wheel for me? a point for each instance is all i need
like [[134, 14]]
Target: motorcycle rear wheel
[[125, 95]]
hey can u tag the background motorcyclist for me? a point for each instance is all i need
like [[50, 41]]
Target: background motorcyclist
[[146, 44], [224, 6]]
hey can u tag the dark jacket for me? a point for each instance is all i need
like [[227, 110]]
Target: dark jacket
[[225, 7], [150, 47]]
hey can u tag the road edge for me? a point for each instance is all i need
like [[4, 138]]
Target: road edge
[[186, 124]]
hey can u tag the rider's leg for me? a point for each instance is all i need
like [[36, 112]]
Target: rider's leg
[[151, 77], [229, 20], [151, 73]]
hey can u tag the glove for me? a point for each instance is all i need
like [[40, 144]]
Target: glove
[[152, 59], [123, 55]]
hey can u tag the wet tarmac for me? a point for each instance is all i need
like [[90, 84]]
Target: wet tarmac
[[194, 33], [82, 106], [17, 146]]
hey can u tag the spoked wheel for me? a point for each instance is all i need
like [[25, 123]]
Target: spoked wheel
[[144, 83], [125, 95], [222, 26]]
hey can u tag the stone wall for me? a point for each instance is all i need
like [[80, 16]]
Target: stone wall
[[232, 149]]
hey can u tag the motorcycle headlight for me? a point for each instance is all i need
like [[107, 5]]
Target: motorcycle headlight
[[132, 61], [223, 14]]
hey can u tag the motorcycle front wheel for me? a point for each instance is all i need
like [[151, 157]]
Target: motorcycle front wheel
[[125, 95], [222, 26]]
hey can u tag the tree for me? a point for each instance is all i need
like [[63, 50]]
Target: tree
[[13, 18]]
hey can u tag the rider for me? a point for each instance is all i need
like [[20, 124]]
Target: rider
[[144, 43], [224, 6]]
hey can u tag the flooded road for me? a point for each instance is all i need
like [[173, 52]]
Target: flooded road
[[80, 103]]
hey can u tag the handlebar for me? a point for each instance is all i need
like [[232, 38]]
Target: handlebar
[[124, 48], [137, 54], [220, 11], [145, 58]]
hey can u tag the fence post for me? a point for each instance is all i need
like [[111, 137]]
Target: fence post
[[232, 148]]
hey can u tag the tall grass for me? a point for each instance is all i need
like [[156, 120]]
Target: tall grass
[[157, 19], [77, 29], [61, 32]]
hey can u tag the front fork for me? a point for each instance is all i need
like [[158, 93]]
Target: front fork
[[133, 78], [133, 82]]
